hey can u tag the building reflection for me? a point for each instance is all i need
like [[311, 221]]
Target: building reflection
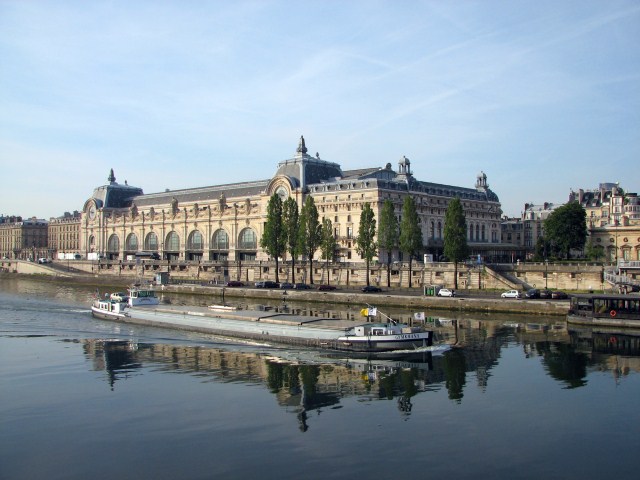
[[307, 381]]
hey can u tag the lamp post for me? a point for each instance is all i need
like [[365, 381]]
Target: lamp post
[[546, 272]]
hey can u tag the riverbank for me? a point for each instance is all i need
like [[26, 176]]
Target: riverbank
[[403, 298]]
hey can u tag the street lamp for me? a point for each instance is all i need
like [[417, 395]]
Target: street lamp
[[546, 274]]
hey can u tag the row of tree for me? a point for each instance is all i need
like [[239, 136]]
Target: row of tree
[[288, 231]]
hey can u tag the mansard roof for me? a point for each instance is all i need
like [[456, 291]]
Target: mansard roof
[[114, 195], [204, 194]]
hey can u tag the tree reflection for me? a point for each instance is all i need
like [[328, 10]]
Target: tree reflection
[[454, 373], [564, 364]]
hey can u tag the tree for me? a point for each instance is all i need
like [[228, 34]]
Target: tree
[[388, 233], [328, 245], [310, 232], [566, 228], [410, 232], [291, 223], [455, 236], [273, 238], [594, 252], [365, 241]]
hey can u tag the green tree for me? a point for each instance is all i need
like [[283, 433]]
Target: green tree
[[365, 241], [310, 232], [410, 232], [328, 245], [291, 221], [594, 252], [566, 228], [273, 239], [388, 233], [455, 236]]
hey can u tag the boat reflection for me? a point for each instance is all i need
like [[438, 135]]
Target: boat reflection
[[305, 380]]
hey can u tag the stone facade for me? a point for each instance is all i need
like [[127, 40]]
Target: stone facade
[[225, 222], [64, 234], [23, 239]]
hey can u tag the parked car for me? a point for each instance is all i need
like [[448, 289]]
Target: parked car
[[558, 295], [545, 293], [371, 289], [445, 292], [286, 286], [326, 288], [511, 294], [266, 284], [234, 283], [302, 286], [532, 293], [44, 260]]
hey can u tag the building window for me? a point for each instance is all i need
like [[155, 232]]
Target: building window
[[172, 243], [220, 240], [195, 241], [151, 242], [247, 240], [131, 245], [113, 245]]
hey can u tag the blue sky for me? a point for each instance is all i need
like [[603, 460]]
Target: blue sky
[[543, 96]]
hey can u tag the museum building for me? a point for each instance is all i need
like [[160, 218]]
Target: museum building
[[225, 222]]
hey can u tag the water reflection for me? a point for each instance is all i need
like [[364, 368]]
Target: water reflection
[[306, 381]]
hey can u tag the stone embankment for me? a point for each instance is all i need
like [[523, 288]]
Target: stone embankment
[[486, 302]]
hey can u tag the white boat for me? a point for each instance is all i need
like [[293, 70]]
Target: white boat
[[223, 308], [109, 309]]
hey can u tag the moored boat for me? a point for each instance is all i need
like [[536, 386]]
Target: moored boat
[[605, 310]]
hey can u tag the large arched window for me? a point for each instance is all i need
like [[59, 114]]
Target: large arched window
[[113, 245], [247, 240], [172, 243], [219, 246], [151, 242], [220, 240], [194, 246], [131, 245], [195, 241]]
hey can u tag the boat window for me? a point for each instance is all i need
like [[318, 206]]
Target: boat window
[[378, 331]]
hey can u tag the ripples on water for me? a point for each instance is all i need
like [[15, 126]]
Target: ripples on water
[[522, 398]]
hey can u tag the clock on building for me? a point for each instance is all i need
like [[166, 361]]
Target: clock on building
[[282, 193], [92, 212]]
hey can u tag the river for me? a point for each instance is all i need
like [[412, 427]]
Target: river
[[520, 397]]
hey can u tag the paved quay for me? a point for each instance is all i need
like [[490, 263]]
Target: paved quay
[[486, 303]]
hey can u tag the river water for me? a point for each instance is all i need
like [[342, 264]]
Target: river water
[[519, 398]]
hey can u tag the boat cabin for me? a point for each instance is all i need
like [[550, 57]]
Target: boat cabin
[[379, 329], [613, 306]]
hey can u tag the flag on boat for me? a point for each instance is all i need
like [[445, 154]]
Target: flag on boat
[[369, 312], [419, 316]]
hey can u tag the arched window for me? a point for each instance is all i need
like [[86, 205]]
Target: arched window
[[172, 243], [247, 240], [433, 230], [151, 242], [484, 234], [439, 229], [477, 232], [92, 242], [195, 241], [113, 244], [131, 245], [471, 233], [220, 240]]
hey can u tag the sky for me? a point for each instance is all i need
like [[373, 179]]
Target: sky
[[543, 97]]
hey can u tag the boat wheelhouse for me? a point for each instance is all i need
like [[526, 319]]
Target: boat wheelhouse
[[142, 296], [605, 310]]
